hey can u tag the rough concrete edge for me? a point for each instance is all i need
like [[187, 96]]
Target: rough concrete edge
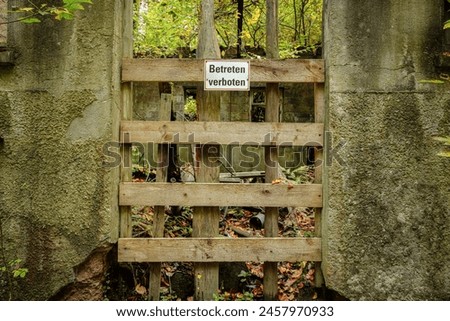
[[325, 248], [72, 290]]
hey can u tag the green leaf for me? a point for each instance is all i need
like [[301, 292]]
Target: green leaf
[[70, 2], [24, 9], [62, 14], [447, 24], [15, 262], [445, 140], [30, 20], [20, 273], [432, 81], [73, 5], [444, 154]]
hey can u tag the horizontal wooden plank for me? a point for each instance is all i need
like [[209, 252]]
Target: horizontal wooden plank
[[223, 133], [219, 249], [191, 70], [216, 194]]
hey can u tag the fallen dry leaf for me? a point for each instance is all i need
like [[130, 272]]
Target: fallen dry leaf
[[140, 289]]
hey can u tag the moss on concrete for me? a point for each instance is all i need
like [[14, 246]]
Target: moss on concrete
[[387, 205], [59, 106], [387, 232]]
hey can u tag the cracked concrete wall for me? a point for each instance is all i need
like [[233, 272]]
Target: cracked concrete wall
[[59, 104], [387, 219]]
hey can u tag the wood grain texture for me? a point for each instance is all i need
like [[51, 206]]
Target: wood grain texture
[[192, 70], [217, 194], [265, 249], [165, 111], [271, 153], [125, 228], [205, 222], [224, 133], [319, 117]]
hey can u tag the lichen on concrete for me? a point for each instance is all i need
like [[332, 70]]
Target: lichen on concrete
[[58, 107], [386, 233], [387, 217]]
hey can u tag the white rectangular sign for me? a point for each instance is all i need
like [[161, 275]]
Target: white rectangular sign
[[227, 75]]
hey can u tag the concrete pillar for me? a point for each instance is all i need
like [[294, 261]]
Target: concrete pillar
[[387, 219], [60, 107]]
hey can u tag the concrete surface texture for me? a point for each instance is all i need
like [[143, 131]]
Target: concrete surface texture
[[386, 230], [59, 105], [387, 216]]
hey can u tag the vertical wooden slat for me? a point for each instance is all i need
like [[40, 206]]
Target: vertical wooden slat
[[319, 117], [126, 228], [271, 153], [158, 218], [206, 219]]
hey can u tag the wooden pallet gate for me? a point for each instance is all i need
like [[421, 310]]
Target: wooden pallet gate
[[206, 248]]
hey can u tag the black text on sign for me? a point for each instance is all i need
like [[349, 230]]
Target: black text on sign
[[227, 75]]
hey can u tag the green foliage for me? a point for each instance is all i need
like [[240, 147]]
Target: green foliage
[[300, 27], [447, 23], [253, 24], [166, 28], [190, 107], [300, 23], [446, 142], [299, 175], [16, 269], [10, 270], [443, 79], [169, 28], [432, 81], [34, 13]]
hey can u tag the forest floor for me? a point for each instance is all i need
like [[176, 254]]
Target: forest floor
[[238, 281]]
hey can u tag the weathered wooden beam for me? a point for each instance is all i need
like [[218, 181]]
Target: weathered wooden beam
[[216, 194], [165, 111], [319, 117], [266, 249], [224, 133], [191, 70], [125, 229], [271, 153], [205, 221]]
